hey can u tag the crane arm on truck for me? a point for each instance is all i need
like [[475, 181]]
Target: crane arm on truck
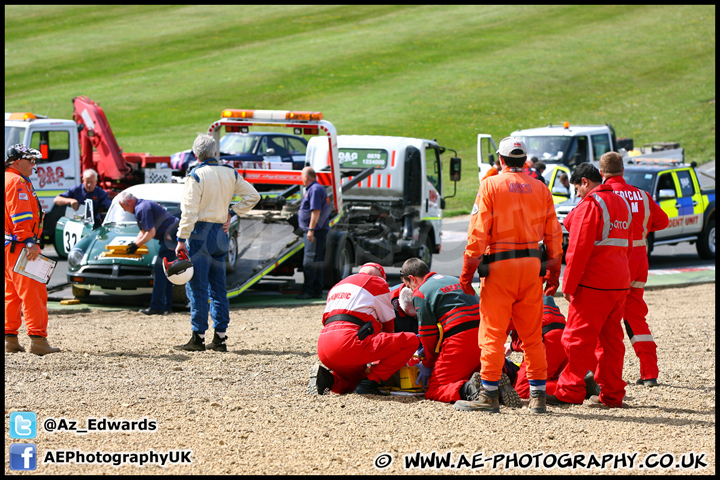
[[100, 151], [95, 132]]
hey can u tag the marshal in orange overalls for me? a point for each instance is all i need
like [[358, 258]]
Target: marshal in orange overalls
[[22, 222], [512, 213]]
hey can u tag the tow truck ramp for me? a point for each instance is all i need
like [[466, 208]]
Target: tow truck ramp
[[262, 247]]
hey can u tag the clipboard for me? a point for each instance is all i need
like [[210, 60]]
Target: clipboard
[[40, 269]]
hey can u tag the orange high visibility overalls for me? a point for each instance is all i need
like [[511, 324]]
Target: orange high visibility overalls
[[512, 213], [22, 222]]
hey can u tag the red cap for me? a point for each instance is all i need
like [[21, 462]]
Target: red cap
[[379, 267]]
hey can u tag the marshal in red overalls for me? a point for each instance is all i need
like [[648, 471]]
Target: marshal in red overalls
[[597, 279]]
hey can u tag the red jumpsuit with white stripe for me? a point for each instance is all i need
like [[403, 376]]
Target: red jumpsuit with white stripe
[[553, 324], [647, 217], [367, 298], [597, 277], [22, 222]]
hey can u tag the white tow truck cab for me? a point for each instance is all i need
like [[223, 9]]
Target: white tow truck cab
[[560, 147], [392, 190]]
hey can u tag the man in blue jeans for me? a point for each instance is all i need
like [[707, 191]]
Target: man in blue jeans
[[154, 222], [205, 221], [313, 218]]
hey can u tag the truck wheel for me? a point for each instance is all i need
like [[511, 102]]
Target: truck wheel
[[80, 292], [344, 265], [706, 241], [426, 250], [179, 295], [232, 254], [339, 260]]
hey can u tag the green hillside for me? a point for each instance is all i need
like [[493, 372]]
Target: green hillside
[[164, 73]]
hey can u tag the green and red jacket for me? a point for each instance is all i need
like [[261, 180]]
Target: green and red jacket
[[443, 309]]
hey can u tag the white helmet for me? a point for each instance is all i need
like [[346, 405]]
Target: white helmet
[[180, 271]]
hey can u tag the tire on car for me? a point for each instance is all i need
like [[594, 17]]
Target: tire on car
[[706, 241], [232, 255]]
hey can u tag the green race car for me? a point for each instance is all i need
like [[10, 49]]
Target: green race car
[[93, 267]]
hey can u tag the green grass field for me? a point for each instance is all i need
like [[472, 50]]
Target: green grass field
[[164, 73]]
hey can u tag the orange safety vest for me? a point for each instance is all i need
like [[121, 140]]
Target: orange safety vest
[[23, 212]]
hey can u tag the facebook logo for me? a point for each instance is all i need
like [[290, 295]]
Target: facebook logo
[[23, 425], [23, 456]]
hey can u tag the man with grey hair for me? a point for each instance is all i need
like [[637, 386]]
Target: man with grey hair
[[88, 189], [203, 235]]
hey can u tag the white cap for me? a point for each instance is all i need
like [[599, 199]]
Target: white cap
[[511, 147]]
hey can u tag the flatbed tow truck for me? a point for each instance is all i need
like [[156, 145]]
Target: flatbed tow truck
[[393, 212], [267, 240]]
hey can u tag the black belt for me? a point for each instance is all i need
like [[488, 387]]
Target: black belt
[[458, 329], [487, 259], [9, 238], [461, 328], [342, 317], [510, 254], [552, 326]]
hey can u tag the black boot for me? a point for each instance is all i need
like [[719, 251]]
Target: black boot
[[472, 388], [591, 386], [367, 387], [217, 344], [508, 395], [321, 379], [196, 344]]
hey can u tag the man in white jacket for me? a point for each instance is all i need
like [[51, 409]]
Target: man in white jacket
[[205, 221]]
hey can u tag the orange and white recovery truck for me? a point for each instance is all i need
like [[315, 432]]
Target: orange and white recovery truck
[[68, 147]]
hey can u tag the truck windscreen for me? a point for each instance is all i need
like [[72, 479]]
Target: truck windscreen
[[13, 135], [548, 149], [238, 143], [641, 180]]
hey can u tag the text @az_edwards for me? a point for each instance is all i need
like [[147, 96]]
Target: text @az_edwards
[[99, 425]]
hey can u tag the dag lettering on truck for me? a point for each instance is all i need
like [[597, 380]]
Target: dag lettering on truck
[[56, 171]]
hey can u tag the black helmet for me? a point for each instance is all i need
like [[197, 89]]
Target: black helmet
[[18, 151]]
